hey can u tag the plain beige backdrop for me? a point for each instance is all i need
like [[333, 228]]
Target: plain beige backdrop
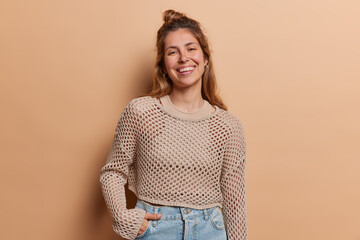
[[288, 69]]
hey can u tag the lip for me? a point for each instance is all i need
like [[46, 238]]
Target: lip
[[186, 72]]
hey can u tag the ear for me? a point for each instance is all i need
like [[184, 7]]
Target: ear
[[206, 61]]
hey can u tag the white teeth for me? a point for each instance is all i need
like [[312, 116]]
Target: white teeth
[[186, 69]]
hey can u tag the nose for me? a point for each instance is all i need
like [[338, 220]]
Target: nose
[[183, 57]]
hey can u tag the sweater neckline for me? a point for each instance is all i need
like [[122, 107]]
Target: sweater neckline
[[204, 112]]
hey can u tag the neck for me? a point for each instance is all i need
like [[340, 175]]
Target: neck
[[187, 100]]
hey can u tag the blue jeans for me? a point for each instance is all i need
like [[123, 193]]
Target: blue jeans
[[179, 223]]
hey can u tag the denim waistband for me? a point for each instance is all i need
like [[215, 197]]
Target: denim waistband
[[174, 213]]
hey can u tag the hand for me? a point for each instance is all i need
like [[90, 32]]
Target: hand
[[145, 222]]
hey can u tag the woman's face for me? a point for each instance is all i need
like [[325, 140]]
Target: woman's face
[[184, 59]]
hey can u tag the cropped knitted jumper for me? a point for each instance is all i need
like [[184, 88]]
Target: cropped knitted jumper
[[174, 158]]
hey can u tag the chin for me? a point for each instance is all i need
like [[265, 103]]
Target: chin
[[186, 84]]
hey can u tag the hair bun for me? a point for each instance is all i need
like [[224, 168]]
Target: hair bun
[[171, 15]]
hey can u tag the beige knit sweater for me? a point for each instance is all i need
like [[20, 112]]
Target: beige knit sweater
[[170, 157]]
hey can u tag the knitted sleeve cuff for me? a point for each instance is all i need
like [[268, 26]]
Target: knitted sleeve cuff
[[129, 224]]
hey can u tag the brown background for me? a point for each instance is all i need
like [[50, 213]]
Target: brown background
[[288, 69]]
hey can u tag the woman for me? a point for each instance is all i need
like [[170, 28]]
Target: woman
[[181, 152]]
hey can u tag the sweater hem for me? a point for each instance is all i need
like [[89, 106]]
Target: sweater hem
[[175, 203]]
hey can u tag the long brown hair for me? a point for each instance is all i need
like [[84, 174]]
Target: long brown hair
[[162, 85]]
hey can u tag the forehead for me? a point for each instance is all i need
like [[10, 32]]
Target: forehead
[[179, 38]]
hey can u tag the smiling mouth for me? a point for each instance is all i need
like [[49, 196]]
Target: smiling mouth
[[185, 70]]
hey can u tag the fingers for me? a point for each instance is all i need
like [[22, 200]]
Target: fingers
[[145, 222], [143, 227], [152, 216]]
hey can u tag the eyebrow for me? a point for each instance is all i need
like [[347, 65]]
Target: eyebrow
[[187, 44]]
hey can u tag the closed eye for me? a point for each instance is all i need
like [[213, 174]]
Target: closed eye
[[171, 53]]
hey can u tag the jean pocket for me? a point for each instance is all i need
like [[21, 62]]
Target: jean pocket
[[146, 231], [217, 219]]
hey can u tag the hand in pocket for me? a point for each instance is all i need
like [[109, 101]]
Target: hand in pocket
[[145, 223]]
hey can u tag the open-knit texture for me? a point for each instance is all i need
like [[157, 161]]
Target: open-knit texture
[[176, 159]]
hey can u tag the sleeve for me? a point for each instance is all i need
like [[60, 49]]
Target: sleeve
[[113, 176], [233, 184]]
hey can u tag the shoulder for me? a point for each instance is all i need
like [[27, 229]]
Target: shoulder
[[140, 102], [230, 120], [135, 110], [139, 105], [235, 137]]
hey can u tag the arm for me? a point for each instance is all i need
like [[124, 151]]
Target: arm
[[126, 222], [233, 184]]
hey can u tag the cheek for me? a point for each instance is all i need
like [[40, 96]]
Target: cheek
[[200, 58], [169, 63]]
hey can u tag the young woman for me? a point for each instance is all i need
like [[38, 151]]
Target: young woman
[[181, 152]]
